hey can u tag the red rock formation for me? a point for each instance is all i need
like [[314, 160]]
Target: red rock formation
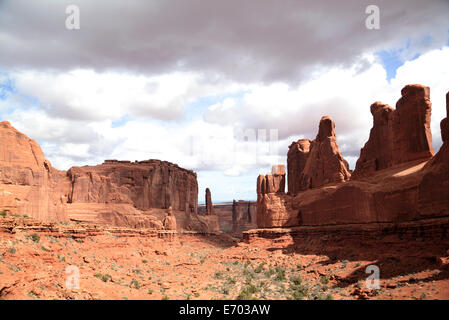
[[325, 163], [410, 188], [121, 193], [144, 184], [243, 216], [298, 153], [169, 220], [433, 191], [29, 185], [209, 207], [273, 182], [268, 185], [400, 135]]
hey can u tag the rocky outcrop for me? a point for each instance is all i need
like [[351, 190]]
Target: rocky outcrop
[[273, 182], [209, 207], [433, 190], [312, 164], [121, 193], [325, 163], [29, 185], [403, 185], [268, 186], [243, 216], [144, 184], [297, 155], [398, 135], [169, 220]]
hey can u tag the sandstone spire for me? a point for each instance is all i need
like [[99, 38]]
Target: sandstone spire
[[209, 207], [324, 162]]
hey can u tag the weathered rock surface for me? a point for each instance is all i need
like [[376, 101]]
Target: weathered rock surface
[[121, 193], [433, 190], [29, 185], [244, 216], [409, 187], [298, 153], [233, 216], [268, 185], [325, 163], [400, 135], [169, 220], [144, 184], [209, 207]]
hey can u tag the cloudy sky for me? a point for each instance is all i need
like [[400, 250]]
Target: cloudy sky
[[220, 87]]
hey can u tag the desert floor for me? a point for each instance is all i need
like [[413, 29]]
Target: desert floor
[[33, 262]]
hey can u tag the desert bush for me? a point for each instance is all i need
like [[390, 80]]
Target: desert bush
[[35, 237], [324, 280], [135, 283], [280, 274]]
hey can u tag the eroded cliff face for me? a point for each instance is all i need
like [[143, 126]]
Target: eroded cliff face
[[144, 184], [397, 178], [29, 185], [325, 163], [122, 193], [398, 135], [244, 216]]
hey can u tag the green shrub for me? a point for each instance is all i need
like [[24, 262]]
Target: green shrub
[[259, 268], [299, 292], [280, 274], [3, 213], [296, 280], [35, 237], [135, 283], [247, 292], [324, 280]]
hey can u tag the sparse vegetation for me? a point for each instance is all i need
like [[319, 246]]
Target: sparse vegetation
[[134, 283], [280, 274], [35, 238], [103, 277], [324, 280]]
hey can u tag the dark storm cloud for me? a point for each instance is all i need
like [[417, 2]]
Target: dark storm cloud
[[251, 40]]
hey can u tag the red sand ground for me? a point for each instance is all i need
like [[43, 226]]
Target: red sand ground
[[124, 264]]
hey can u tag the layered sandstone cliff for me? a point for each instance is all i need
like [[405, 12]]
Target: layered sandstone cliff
[[396, 178], [29, 185], [122, 193]]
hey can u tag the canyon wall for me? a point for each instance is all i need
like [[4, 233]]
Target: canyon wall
[[233, 217], [29, 185], [244, 216], [396, 178], [123, 193]]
